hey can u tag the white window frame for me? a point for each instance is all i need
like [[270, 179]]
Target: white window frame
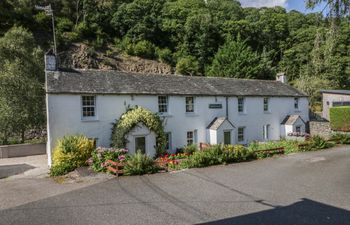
[[296, 103], [241, 105], [140, 136], [266, 102], [266, 132], [163, 104], [190, 138], [88, 118], [241, 140], [187, 105]]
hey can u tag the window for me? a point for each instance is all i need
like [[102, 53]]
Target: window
[[168, 141], [240, 104], [88, 106], [190, 138], [266, 104], [189, 104], [298, 129], [241, 131], [163, 104], [140, 144], [227, 137], [266, 132], [296, 103]]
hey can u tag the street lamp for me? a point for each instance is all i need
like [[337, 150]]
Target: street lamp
[[48, 10]]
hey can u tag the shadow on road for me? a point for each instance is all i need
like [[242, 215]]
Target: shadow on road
[[11, 170], [304, 212]]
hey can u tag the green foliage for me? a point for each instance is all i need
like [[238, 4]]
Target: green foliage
[[131, 118], [101, 155], [340, 118], [144, 49], [190, 149], [341, 138], [219, 154], [21, 84], [70, 153], [139, 164], [187, 65], [236, 59], [164, 55]]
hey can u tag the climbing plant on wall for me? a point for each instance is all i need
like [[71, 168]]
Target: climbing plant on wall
[[130, 119]]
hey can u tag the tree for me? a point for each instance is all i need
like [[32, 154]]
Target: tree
[[236, 59], [21, 83], [337, 8]]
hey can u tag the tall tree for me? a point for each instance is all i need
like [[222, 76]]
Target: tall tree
[[21, 83]]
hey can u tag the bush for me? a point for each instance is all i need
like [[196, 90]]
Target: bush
[[70, 153], [144, 49], [164, 55], [341, 138], [101, 155], [318, 142], [190, 149], [187, 66], [340, 118], [236, 153], [139, 164]]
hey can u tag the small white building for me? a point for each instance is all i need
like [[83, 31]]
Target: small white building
[[194, 109]]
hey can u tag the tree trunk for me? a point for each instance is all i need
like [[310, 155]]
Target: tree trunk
[[22, 136]]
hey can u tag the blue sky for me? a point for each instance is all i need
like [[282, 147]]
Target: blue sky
[[289, 4]]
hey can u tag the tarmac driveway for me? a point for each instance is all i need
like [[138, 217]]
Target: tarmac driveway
[[301, 189]]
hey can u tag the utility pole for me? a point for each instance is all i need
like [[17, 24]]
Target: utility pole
[[48, 10]]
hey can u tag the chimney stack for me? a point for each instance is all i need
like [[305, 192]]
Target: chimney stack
[[282, 77], [50, 61]]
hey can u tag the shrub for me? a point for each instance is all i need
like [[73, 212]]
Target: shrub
[[70, 153], [341, 138], [236, 153], [164, 55], [318, 142], [139, 164], [340, 118], [187, 66], [144, 49], [101, 155], [190, 149]]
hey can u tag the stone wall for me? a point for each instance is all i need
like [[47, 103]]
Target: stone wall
[[10, 151], [320, 128]]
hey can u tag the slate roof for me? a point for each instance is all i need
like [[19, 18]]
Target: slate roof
[[217, 122], [115, 82], [291, 119], [340, 92]]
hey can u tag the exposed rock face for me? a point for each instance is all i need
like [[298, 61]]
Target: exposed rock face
[[80, 56]]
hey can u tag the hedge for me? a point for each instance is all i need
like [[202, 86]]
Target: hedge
[[340, 118]]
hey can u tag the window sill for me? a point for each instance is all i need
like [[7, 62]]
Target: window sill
[[242, 113], [164, 115], [297, 110], [191, 114], [267, 112], [89, 120]]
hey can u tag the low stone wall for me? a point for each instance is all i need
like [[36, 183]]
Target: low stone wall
[[10, 151], [320, 128]]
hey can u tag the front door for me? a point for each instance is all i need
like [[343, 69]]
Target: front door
[[140, 144], [227, 137]]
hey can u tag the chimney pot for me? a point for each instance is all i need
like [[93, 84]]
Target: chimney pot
[[282, 77], [50, 62]]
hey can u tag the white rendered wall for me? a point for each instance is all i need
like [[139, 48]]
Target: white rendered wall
[[64, 116]]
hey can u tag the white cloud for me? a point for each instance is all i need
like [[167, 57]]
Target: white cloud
[[262, 3]]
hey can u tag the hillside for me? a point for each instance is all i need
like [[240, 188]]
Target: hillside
[[79, 56]]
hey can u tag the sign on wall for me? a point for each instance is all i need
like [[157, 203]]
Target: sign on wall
[[215, 106]]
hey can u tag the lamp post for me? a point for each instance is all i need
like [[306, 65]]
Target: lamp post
[[48, 10]]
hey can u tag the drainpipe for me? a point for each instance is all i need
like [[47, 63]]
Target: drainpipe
[[226, 107]]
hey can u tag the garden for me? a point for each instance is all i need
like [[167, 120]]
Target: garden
[[77, 151]]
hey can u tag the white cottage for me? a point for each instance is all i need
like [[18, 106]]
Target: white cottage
[[195, 109]]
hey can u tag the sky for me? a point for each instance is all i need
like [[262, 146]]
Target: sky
[[288, 4]]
